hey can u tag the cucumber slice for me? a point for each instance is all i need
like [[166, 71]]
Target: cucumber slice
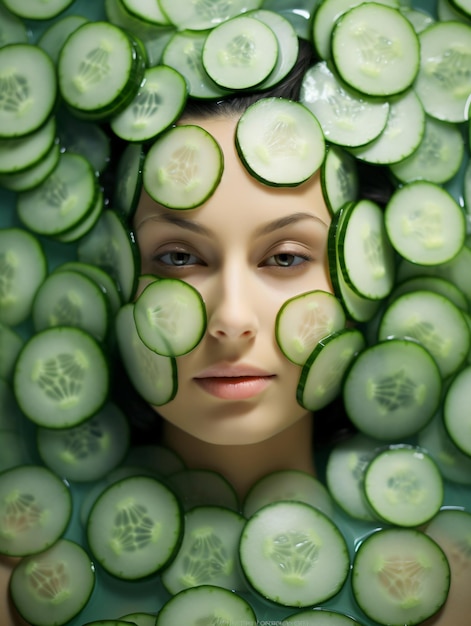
[[434, 322], [455, 410], [183, 167], [203, 16], [184, 53], [153, 376], [438, 156], [62, 200], [392, 389], [240, 53], [322, 375], [376, 50], [304, 320], [158, 104], [339, 178], [134, 527], [35, 509], [36, 9], [61, 377], [53, 587], [443, 84], [280, 141], [17, 155], [28, 81], [128, 187], [319, 617], [436, 284], [287, 485], [347, 118], [364, 252], [86, 452], [23, 268], [403, 486], [288, 45], [100, 277], [69, 298], [12, 28], [100, 69], [326, 14], [55, 36], [418, 17], [170, 317], [111, 247], [206, 604], [140, 619], [86, 224], [345, 467], [293, 555], [203, 488], [208, 554], [86, 138], [454, 465], [146, 10], [402, 134], [11, 343], [400, 576], [34, 175]]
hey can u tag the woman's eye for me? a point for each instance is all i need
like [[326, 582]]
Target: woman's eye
[[285, 259], [178, 259]]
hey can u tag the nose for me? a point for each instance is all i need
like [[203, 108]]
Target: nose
[[232, 312]]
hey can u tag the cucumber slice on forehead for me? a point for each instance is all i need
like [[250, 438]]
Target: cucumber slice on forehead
[[280, 141], [375, 50], [183, 167], [240, 53]]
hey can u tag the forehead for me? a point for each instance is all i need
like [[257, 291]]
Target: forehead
[[239, 195]]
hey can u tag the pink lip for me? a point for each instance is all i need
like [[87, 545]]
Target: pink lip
[[229, 382]]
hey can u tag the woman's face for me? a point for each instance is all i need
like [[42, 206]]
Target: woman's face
[[247, 250]]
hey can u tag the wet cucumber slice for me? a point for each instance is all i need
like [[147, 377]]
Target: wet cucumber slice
[[53, 586], [392, 390], [208, 554], [293, 555], [400, 576], [61, 377], [35, 509], [134, 527], [403, 486]]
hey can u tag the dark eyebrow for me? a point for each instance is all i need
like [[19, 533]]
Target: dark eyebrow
[[287, 220], [266, 229]]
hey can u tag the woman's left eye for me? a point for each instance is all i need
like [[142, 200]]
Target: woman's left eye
[[286, 259]]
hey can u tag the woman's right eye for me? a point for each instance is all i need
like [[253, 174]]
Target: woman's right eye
[[177, 259]]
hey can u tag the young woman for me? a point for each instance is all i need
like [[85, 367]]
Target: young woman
[[247, 250]]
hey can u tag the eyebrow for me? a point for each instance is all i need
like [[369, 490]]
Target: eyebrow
[[265, 229]]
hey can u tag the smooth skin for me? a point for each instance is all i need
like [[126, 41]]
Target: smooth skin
[[247, 250]]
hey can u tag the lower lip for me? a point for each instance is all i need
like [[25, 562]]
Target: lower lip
[[240, 388]]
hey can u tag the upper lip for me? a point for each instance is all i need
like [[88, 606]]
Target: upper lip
[[225, 370]]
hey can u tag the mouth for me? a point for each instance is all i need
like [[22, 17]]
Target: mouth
[[234, 383]]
